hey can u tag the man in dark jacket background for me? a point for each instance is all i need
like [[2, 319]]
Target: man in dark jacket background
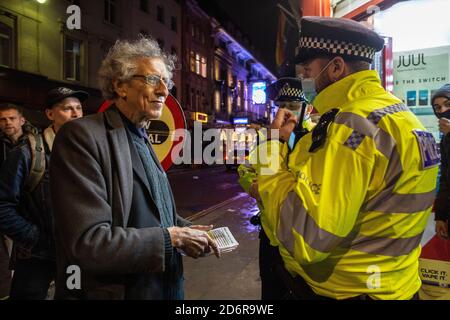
[[25, 206], [441, 106], [11, 135]]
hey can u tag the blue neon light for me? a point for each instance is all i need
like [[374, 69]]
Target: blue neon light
[[240, 121], [259, 93]]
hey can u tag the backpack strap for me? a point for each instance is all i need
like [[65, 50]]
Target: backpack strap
[[37, 168]]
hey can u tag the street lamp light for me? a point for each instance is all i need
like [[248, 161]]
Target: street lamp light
[[41, 1]]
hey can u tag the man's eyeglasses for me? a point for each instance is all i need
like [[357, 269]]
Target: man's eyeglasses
[[154, 80]]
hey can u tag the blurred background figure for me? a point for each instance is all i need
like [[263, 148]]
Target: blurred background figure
[[286, 93], [25, 207], [11, 134], [441, 106]]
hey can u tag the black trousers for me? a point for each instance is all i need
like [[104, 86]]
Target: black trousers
[[272, 286], [5, 273], [32, 278]]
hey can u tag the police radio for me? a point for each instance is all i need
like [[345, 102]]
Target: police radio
[[299, 131]]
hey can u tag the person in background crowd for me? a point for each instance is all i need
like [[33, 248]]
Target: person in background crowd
[[25, 206], [11, 135], [441, 106], [286, 93], [11, 132]]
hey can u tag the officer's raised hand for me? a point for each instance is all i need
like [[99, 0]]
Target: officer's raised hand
[[285, 121], [444, 125]]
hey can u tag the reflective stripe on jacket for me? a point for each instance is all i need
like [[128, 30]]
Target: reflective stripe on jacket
[[349, 216]]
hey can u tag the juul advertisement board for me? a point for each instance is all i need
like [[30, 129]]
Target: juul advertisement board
[[417, 75]]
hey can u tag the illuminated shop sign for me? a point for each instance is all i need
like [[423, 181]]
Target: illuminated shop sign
[[240, 120], [259, 93]]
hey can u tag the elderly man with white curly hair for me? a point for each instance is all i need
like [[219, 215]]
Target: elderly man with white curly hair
[[115, 216]]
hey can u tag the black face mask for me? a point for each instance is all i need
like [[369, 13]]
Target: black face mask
[[445, 114]]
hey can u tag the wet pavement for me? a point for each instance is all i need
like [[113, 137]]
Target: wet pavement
[[236, 274], [195, 190]]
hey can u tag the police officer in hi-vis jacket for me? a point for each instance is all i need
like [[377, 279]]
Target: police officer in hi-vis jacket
[[349, 207]]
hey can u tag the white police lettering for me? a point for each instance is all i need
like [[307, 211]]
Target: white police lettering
[[315, 188], [428, 149], [74, 20], [74, 280]]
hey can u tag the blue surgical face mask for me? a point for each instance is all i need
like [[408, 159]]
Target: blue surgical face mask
[[309, 84], [309, 88]]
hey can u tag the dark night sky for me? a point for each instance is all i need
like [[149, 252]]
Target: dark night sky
[[257, 19]]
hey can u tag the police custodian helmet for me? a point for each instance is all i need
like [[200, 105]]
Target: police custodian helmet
[[322, 36], [286, 90]]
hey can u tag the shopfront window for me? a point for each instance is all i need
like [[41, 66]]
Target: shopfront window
[[110, 11], [197, 63], [160, 14], [203, 67], [143, 5], [192, 61], [72, 59], [6, 45]]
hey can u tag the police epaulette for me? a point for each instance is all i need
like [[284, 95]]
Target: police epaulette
[[319, 133]]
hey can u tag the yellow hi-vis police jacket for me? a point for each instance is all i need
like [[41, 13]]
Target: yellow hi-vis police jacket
[[349, 215]]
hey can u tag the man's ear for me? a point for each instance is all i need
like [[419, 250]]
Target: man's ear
[[337, 69], [22, 120], [49, 114], [120, 88]]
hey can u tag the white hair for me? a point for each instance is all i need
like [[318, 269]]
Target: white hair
[[120, 62]]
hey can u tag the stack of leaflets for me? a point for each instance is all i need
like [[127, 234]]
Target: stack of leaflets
[[224, 239]]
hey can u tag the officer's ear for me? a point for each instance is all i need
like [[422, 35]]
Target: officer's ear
[[338, 69]]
